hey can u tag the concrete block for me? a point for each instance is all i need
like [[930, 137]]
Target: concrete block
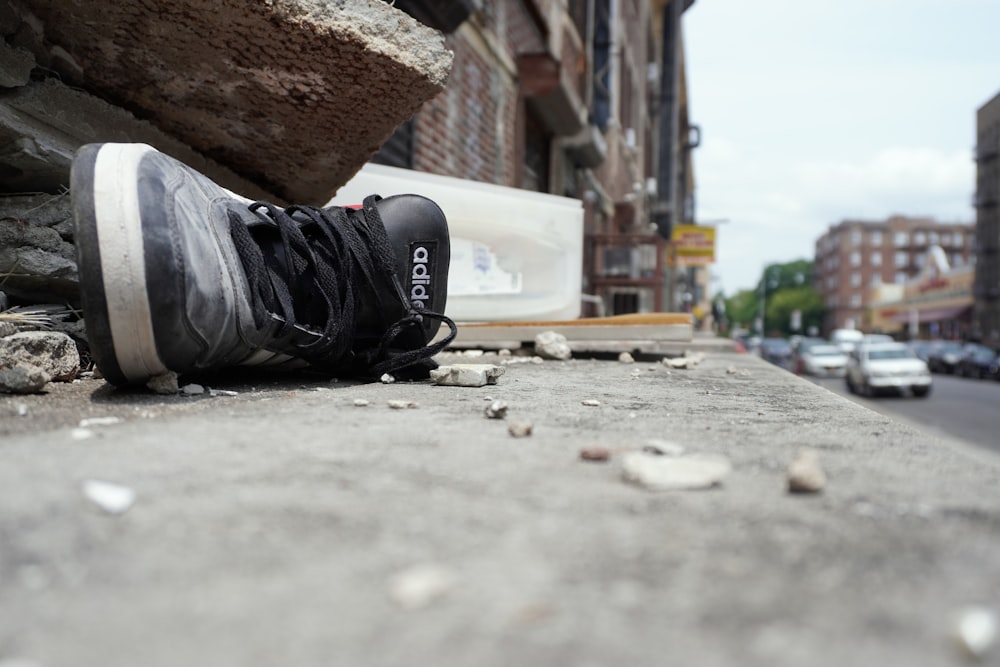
[[43, 123], [294, 95]]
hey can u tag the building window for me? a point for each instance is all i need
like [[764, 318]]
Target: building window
[[876, 258], [855, 258], [855, 301], [855, 279], [919, 260], [900, 278], [901, 239], [956, 259], [876, 280], [876, 238], [919, 238], [902, 259], [855, 237], [945, 238], [932, 237]]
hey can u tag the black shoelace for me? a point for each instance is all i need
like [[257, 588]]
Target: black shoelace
[[317, 281]]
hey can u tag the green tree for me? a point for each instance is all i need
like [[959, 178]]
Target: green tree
[[741, 309], [784, 289]]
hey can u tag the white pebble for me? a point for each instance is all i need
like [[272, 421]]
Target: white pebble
[[81, 434], [387, 379], [99, 421], [976, 630], [112, 498], [192, 389], [552, 345], [420, 585], [398, 404], [520, 429], [626, 358], [466, 375], [496, 410], [590, 402], [360, 402], [665, 473]]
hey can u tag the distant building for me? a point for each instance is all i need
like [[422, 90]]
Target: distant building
[[855, 256], [936, 303], [986, 289]]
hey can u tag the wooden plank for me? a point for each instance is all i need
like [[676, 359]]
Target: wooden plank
[[634, 329]]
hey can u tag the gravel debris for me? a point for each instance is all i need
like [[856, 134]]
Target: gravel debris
[[496, 410]]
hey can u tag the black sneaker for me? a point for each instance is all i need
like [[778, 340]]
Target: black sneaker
[[179, 274]]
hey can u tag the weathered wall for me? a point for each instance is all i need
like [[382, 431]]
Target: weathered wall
[[293, 95]]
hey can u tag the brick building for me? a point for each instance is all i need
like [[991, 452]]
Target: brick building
[[986, 288], [855, 256], [579, 98]]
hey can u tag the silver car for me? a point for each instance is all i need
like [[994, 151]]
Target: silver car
[[823, 361], [876, 368]]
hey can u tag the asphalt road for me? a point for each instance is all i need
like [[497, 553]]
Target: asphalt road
[[959, 408]]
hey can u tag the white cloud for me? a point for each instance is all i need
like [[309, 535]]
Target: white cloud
[[812, 113]]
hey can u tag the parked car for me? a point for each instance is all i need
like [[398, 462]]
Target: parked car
[[799, 345], [826, 360], [979, 361], [944, 355], [877, 368], [922, 348], [776, 350]]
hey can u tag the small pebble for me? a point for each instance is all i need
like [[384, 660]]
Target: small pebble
[[164, 384], [590, 402], [99, 421], [805, 474], [387, 379], [360, 402], [976, 631], [420, 585], [112, 498], [595, 453], [22, 409], [192, 389], [665, 473], [81, 434], [552, 345], [467, 375], [520, 429], [397, 404], [496, 410], [626, 358], [222, 392]]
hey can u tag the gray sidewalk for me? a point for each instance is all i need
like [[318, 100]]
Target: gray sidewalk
[[285, 525]]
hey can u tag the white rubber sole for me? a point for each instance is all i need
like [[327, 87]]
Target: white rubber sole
[[119, 234]]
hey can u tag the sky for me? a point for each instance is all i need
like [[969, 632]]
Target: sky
[[816, 111]]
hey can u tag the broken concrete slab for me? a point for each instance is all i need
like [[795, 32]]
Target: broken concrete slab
[[42, 125], [294, 95]]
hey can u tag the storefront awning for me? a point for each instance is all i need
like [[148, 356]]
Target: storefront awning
[[936, 314]]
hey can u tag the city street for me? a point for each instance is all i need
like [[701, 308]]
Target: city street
[[960, 408]]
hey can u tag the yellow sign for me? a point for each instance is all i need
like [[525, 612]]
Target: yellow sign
[[693, 245]]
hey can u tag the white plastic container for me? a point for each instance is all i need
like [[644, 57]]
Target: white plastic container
[[515, 254]]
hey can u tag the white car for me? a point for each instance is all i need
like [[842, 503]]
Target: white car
[[876, 368], [823, 361]]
